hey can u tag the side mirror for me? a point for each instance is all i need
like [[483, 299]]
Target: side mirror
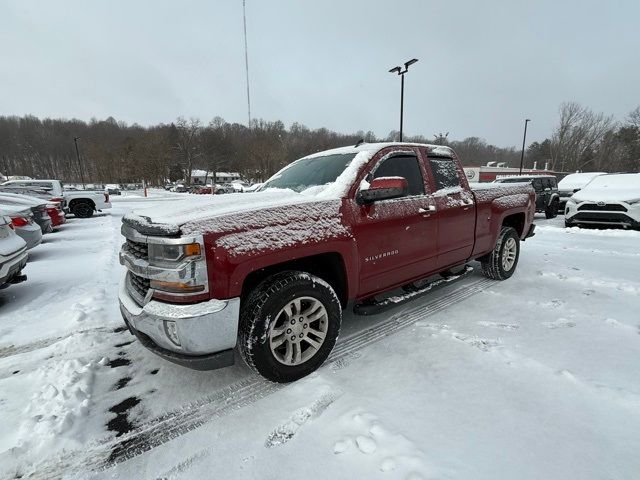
[[383, 188]]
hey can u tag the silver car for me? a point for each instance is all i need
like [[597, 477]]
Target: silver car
[[22, 221], [13, 255]]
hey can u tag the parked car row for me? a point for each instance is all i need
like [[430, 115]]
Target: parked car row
[[590, 198], [30, 209], [81, 203], [218, 189]]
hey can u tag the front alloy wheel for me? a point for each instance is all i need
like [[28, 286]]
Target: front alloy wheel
[[289, 324], [298, 331]]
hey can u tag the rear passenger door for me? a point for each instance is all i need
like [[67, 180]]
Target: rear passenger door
[[456, 211]]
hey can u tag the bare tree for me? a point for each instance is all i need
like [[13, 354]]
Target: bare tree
[[577, 136], [187, 144]]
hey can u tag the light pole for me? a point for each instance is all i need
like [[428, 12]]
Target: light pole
[[524, 139], [75, 140], [401, 71]]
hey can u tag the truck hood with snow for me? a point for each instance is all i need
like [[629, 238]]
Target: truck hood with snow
[[234, 212]]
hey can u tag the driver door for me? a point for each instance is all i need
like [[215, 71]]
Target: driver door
[[396, 238]]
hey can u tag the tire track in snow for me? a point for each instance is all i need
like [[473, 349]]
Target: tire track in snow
[[101, 456]]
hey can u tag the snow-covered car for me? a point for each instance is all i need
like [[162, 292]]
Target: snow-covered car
[[13, 254], [272, 272], [573, 183], [38, 208], [253, 188], [612, 199], [112, 189], [23, 224], [82, 203]]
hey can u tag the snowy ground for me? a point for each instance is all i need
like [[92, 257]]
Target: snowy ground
[[535, 377]]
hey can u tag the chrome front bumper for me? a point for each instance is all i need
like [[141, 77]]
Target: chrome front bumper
[[207, 331]]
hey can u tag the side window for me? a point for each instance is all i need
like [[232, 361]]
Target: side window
[[537, 184], [554, 182], [406, 167], [546, 183], [445, 172]]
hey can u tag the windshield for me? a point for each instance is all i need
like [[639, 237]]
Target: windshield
[[631, 180], [514, 180], [310, 172]]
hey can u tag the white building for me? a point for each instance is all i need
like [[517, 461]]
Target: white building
[[200, 177]]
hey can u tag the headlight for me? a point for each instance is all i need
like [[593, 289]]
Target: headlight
[[162, 254]]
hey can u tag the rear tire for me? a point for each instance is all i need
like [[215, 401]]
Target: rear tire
[[288, 326], [82, 209], [552, 209], [501, 263]]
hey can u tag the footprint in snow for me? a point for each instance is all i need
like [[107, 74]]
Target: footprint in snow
[[588, 292], [500, 326], [392, 451], [559, 323]]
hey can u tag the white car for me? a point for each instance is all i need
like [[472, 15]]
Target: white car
[[13, 254], [612, 199], [82, 203], [573, 183]]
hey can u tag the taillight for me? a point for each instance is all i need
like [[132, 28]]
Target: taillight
[[19, 221], [106, 198]]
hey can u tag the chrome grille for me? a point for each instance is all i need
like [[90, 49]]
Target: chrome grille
[[140, 285], [137, 249]]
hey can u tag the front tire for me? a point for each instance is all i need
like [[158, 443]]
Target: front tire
[[501, 263], [288, 326]]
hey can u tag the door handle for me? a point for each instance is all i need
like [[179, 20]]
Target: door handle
[[426, 212]]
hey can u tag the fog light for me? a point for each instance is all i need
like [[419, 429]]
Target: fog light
[[171, 329]]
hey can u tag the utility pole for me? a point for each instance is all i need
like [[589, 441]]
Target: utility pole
[[246, 58], [524, 139], [75, 140], [401, 71]]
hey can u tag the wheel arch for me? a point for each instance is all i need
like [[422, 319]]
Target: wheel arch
[[516, 221], [76, 201], [329, 266]]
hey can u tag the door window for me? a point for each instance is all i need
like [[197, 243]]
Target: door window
[[403, 166], [445, 172], [537, 184]]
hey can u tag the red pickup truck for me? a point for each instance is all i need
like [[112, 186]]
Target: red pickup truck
[[271, 272]]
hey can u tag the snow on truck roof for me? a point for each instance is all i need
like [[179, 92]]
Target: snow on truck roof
[[374, 147]]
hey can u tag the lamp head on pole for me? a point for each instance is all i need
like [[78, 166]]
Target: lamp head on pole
[[400, 70]]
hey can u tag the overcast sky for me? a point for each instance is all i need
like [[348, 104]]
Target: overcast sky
[[483, 66]]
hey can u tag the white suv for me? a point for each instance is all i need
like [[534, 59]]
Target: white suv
[[612, 199]]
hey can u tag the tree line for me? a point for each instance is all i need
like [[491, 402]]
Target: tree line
[[114, 152]]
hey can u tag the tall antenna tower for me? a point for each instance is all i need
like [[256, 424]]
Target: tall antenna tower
[[246, 57]]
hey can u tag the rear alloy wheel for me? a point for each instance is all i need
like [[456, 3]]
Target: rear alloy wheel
[[289, 325], [501, 263], [82, 209]]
